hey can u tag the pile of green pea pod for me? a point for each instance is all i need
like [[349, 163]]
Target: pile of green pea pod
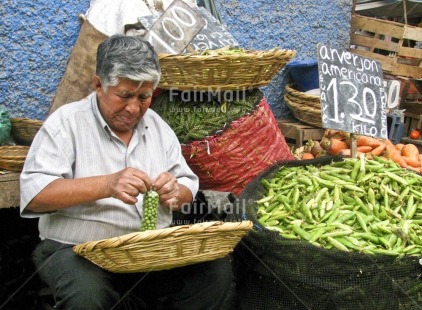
[[357, 204]]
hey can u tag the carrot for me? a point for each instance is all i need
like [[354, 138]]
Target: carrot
[[399, 146], [395, 156], [348, 153], [307, 156], [411, 151], [364, 148], [368, 141], [345, 153], [412, 162], [336, 134], [379, 149], [333, 145]]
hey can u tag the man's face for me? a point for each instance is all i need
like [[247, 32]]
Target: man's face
[[122, 106]]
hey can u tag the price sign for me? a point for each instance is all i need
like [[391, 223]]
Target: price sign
[[393, 93], [212, 36], [175, 28], [353, 98]]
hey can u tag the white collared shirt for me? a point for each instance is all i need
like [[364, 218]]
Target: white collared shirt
[[76, 142]]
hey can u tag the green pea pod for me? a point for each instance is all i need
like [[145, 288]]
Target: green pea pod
[[355, 171], [397, 178], [300, 232], [410, 209], [338, 245]]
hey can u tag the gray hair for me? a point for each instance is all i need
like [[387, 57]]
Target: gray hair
[[129, 57]]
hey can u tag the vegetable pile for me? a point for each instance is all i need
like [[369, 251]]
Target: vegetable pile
[[336, 142], [357, 204], [150, 210], [203, 114]]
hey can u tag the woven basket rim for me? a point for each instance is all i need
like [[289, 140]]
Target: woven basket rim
[[166, 248], [306, 114], [12, 157], [246, 55], [221, 72], [149, 235], [13, 151], [291, 90], [26, 120]]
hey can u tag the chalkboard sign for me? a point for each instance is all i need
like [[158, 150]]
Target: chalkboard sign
[[175, 28], [353, 98], [212, 36]]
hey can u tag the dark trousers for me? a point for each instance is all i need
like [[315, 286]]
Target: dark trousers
[[78, 284]]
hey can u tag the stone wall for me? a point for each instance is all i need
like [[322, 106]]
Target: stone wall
[[37, 38]]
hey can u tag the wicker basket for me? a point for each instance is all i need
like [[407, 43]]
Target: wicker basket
[[306, 108], [13, 157], [166, 248], [24, 130], [249, 69]]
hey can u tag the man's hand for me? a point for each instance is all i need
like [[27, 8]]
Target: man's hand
[[127, 184], [168, 189]]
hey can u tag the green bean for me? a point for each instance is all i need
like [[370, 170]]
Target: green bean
[[371, 206], [396, 177], [337, 244], [300, 232], [265, 199]]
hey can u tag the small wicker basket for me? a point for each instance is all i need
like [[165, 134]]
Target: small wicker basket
[[24, 129], [167, 248], [249, 69], [13, 157], [306, 108]]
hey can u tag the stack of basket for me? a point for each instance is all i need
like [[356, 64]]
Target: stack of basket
[[305, 107], [12, 157], [228, 151]]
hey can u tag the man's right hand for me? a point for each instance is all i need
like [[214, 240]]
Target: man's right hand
[[128, 183]]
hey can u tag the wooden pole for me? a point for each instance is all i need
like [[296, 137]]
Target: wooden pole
[[353, 145], [354, 7], [405, 11]]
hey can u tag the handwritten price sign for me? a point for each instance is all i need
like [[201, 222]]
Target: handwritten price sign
[[353, 98], [175, 28]]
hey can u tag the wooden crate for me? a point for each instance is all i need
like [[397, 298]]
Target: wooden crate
[[412, 121], [388, 42], [299, 132]]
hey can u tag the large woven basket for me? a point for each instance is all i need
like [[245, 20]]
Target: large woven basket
[[167, 248], [13, 157], [24, 129], [306, 108], [249, 69]]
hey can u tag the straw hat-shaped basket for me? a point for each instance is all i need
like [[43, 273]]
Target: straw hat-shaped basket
[[24, 129], [306, 108], [13, 157], [166, 248], [222, 72]]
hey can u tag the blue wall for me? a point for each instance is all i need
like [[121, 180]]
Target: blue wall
[[37, 38]]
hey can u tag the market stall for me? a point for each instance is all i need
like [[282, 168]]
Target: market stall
[[332, 222]]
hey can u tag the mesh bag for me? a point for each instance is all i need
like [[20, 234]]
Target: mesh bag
[[273, 272], [227, 162]]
